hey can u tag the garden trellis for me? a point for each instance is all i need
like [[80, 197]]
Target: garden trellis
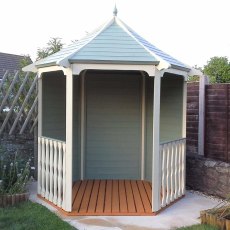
[[18, 103]]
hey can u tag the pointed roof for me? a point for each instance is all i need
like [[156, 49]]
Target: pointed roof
[[113, 42]]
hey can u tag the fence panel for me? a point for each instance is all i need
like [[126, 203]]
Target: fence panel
[[18, 103], [217, 117]]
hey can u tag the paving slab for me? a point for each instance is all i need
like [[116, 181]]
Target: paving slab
[[185, 212]]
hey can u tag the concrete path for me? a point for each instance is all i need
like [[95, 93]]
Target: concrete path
[[183, 213]]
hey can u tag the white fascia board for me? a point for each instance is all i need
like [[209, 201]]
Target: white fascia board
[[30, 68], [77, 68], [162, 65], [195, 72], [175, 71], [52, 69], [65, 62]]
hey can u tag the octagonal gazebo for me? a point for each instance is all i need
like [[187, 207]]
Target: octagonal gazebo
[[112, 125]]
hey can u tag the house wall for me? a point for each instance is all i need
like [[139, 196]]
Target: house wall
[[54, 105]]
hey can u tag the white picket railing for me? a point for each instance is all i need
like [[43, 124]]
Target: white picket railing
[[51, 170], [173, 170]]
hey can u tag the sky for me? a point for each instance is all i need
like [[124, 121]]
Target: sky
[[191, 31]]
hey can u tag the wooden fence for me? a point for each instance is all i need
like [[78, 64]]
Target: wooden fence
[[216, 122], [18, 103]]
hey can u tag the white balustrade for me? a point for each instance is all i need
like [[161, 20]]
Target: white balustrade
[[172, 170], [51, 170]]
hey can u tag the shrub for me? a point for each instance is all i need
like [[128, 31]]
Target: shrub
[[13, 178]]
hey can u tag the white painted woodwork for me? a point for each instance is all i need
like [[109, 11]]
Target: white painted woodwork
[[52, 184], [69, 140], [143, 123], [55, 171], [43, 168], [172, 170], [77, 68], [39, 166], [51, 173], [184, 110], [201, 126], [60, 166], [64, 178], [156, 171], [47, 169], [82, 124]]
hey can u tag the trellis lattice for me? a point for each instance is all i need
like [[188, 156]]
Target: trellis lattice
[[18, 103]]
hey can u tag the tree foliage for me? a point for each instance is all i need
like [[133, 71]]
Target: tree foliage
[[53, 46], [218, 69]]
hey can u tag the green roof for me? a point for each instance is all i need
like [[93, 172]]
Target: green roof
[[113, 42]]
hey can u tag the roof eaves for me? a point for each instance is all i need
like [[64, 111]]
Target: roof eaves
[[122, 62], [187, 69]]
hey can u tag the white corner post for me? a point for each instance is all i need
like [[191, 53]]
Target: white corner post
[[184, 108], [69, 141], [156, 161], [201, 126], [39, 130]]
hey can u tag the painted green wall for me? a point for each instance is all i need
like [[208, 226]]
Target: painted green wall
[[54, 105], [149, 127], [170, 114], [171, 107], [76, 128], [112, 125]]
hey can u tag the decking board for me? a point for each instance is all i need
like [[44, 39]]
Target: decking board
[[111, 197]]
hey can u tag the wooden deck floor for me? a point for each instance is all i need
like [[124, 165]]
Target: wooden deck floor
[[111, 197]]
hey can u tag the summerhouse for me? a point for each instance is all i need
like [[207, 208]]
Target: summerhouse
[[112, 125]]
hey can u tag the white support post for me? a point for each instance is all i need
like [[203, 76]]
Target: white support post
[[39, 187], [69, 141], [82, 124], [202, 83], [143, 128], [184, 109], [156, 161]]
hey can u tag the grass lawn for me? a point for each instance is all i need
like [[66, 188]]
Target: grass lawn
[[199, 227], [29, 216]]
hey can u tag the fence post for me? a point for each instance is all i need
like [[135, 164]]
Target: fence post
[[201, 126]]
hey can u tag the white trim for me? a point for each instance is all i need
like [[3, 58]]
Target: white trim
[[52, 69], [201, 125], [184, 109], [69, 140], [143, 128], [39, 132], [83, 125], [156, 159], [176, 71], [77, 68]]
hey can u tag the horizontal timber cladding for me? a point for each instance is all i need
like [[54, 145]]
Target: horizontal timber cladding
[[171, 114], [113, 125], [54, 105], [192, 117], [76, 128], [149, 128], [217, 124]]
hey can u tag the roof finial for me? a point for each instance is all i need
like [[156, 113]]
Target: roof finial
[[115, 11]]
